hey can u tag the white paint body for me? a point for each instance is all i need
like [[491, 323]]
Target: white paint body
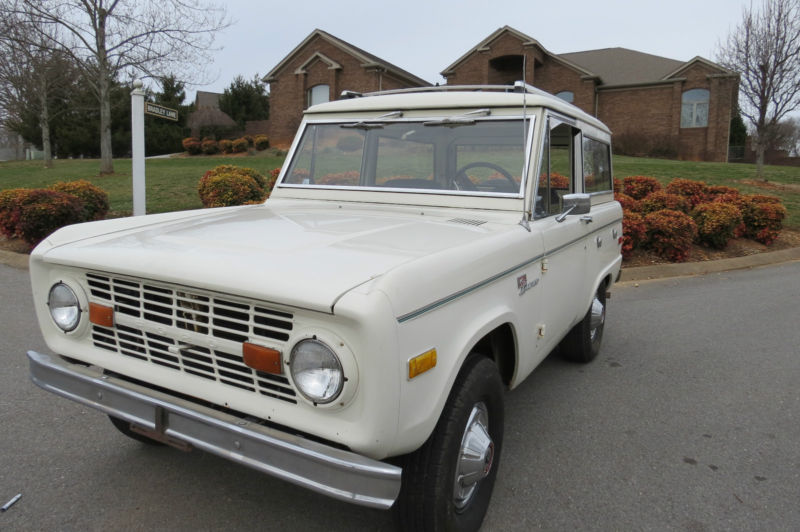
[[379, 276]]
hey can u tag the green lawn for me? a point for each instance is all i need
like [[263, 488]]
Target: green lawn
[[172, 183]]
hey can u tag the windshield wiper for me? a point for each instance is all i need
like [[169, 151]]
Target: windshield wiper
[[363, 125], [459, 120]]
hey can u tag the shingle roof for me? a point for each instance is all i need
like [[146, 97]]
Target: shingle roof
[[621, 66], [366, 58]]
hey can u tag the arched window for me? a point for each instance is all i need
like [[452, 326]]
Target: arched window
[[319, 94], [567, 96], [694, 108]]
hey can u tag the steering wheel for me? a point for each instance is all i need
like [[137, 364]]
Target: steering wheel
[[463, 182]]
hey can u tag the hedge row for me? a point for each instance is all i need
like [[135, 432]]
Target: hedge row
[[227, 185], [32, 214], [668, 220], [195, 146]]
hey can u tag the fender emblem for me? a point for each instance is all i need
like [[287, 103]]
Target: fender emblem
[[523, 285]]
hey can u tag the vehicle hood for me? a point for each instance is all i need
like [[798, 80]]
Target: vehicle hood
[[301, 255]]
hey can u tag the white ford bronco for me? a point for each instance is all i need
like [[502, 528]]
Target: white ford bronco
[[421, 252]]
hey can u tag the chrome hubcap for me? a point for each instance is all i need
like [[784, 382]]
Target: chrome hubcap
[[475, 456], [598, 318]]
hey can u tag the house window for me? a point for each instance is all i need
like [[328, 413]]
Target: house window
[[319, 94], [694, 108], [567, 96]]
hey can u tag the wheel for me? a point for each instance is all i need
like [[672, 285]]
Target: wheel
[[582, 343], [448, 482], [125, 428], [462, 182]]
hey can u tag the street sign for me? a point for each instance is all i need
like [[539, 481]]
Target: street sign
[[160, 110]]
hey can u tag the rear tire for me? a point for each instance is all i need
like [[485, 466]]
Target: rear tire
[[447, 483], [582, 343]]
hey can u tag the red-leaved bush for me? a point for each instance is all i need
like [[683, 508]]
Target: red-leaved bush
[[192, 145], [659, 200], [763, 217], [716, 223], [95, 199], [634, 232], [639, 187], [228, 185], [696, 192], [38, 212], [670, 234]]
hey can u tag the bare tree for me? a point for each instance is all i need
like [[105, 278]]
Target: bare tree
[[111, 38], [765, 49], [31, 77]]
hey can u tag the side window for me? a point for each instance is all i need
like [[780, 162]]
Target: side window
[[596, 166], [556, 173], [318, 94], [694, 108]]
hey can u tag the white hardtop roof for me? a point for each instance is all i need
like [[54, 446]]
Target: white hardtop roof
[[446, 98]]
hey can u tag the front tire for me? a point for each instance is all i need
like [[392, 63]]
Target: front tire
[[582, 343], [447, 483]]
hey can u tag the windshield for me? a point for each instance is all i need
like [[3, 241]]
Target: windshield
[[460, 155]]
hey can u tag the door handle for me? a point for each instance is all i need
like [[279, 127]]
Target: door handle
[[587, 219]]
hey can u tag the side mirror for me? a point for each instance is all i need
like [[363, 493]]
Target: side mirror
[[575, 204]]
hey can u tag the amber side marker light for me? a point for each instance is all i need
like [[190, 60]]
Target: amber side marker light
[[101, 315], [421, 363], [262, 358]]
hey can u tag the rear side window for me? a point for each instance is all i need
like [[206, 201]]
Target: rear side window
[[596, 166]]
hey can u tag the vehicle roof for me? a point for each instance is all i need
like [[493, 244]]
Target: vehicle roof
[[470, 98]]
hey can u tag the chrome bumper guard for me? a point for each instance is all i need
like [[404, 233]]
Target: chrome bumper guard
[[339, 474]]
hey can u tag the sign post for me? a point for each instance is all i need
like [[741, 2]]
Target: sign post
[[137, 148]]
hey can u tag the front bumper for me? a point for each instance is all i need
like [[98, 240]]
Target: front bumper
[[340, 474]]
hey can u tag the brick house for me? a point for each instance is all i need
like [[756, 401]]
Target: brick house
[[653, 105], [318, 70]]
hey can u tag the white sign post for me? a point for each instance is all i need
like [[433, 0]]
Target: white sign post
[[137, 148]]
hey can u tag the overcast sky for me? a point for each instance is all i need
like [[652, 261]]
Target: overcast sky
[[426, 36]]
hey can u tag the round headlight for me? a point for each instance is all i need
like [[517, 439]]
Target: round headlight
[[316, 371], [64, 307]]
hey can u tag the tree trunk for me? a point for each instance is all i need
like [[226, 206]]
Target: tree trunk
[[760, 162], [44, 122], [106, 157]]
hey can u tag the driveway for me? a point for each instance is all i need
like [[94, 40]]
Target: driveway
[[688, 420]]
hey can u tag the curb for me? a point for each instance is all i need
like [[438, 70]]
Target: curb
[[640, 273], [684, 269], [15, 260]]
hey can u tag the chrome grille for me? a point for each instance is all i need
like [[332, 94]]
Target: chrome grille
[[175, 309]]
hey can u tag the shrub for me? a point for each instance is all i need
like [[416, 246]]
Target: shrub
[[627, 202], [634, 232], [95, 199], [225, 145], [618, 186], [250, 140], [713, 192], [227, 185], [210, 146], [694, 191], [639, 187], [9, 210], [716, 223], [192, 145], [763, 217], [670, 234], [240, 145], [261, 142], [43, 211], [664, 200]]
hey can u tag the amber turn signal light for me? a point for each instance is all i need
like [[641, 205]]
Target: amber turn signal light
[[421, 363], [262, 358], [101, 315]]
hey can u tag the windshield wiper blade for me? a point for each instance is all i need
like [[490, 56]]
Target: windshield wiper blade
[[450, 122], [363, 125]]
